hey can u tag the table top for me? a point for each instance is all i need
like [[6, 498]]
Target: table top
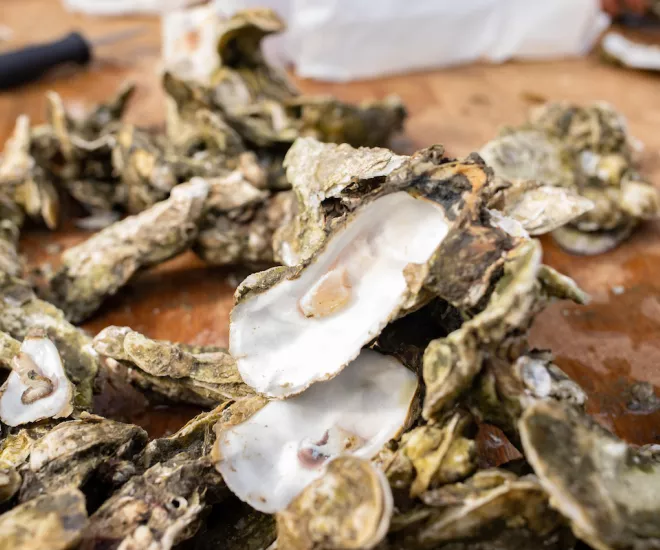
[[606, 346]]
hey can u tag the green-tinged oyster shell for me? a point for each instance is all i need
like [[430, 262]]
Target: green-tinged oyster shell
[[98, 267], [21, 311], [348, 507], [53, 521], [171, 370], [608, 490]]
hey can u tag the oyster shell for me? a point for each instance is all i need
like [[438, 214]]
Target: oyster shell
[[348, 507], [271, 456], [318, 173], [21, 311], [338, 298], [11, 221], [50, 522], [452, 363], [24, 181], [37, 387], [609, 491], [492, 509], [74, 451], [432, 455], [14, 451], [98, 267], [584, 150], [164, 504], [204, 377]]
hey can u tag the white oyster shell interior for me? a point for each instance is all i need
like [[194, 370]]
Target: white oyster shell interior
[[307, 329], [268, 459], [18, 407]]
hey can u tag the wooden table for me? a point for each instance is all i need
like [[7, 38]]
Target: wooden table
[[606, 346]]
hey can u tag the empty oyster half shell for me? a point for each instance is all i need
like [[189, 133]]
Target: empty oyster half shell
[[268, 459], [37, 387], [609, 491], [348, 507], [339, 302]]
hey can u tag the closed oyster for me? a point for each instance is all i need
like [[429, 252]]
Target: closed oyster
[[271, 456], [203, 377], [11, 221], [72, 452], [493, 509], [348, 507], [452, 363], [37, 387], [14, 452], [97, 268], [433, 455], [609, 491], [49, 522], [584, 150], [21, 311], [163, 505], [9, 348]]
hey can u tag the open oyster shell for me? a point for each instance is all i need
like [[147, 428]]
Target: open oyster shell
[[203, 377], [493, 509], [21, 311], [97, 268], [38, 387], [609, 491], [271, 456], [53, 521], [348, 507]]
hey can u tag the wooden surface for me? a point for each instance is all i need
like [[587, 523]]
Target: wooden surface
[[606, 346]]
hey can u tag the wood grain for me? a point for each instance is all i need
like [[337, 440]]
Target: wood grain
[[606, 345]]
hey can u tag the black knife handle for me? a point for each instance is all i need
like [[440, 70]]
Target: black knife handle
[[28, 64]]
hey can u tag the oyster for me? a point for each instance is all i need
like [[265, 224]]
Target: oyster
[[21, 311], [493, 509], [14, 452], [348, 507], [11, 221], [452, 363], [318, 174], [74, 451], [38, 386], [9, 348], [585, 150], [49, 522], [97, 268], [432, 455], [24, 181], [163, 505], [271, 456], [204, 377], [503, 390], [609, 491]]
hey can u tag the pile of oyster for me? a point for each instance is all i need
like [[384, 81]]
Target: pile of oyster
[[588, 150], [390, 325]]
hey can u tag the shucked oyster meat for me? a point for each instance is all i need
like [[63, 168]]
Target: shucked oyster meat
[[608, 491], [176, 372], [585, 150], [271, 456]]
